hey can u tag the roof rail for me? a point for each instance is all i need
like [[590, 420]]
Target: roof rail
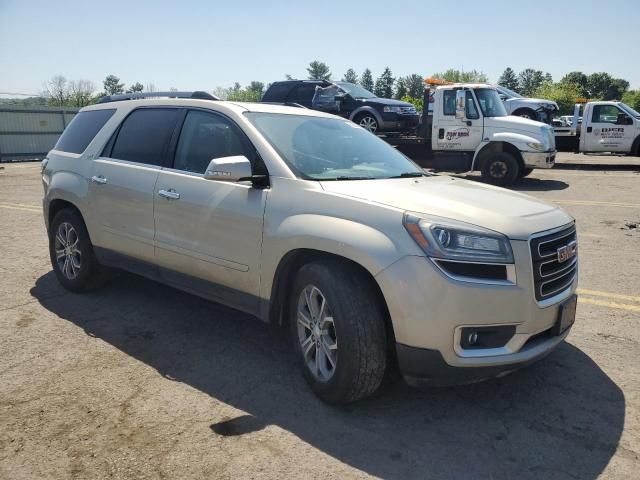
[[286, 104], [198, 94]]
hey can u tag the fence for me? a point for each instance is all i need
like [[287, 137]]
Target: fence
[[28, 133]]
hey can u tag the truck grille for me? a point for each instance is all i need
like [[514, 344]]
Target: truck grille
[[552, 274]]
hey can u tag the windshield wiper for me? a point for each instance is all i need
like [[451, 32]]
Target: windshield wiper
[[344, 177], [410, 175]]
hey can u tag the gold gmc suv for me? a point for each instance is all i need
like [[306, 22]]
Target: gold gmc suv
[[307, 220]]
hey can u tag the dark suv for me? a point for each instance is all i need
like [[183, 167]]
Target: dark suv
[[347, 100]]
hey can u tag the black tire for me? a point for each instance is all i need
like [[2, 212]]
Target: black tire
[[525, 172], [500, 168], [87, 272], [367, 121], [359, 328], [526, 113]]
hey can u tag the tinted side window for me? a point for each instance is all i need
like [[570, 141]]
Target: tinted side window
[[277, 92], [206, 136], [303, 94], [84, 126], [144, 135], [449, 102]]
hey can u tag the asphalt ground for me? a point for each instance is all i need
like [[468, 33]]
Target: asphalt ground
[[138, 380]]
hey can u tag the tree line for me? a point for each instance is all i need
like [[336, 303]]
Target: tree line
[[59, 91]]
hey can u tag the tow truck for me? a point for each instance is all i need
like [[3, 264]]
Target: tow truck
[[470, 129], [606, 126]]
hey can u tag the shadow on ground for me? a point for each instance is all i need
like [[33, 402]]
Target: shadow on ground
[[561, 418]]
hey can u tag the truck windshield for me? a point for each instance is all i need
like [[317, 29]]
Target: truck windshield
[[490, 102], [356, 91], [629, 110], [318, 148]]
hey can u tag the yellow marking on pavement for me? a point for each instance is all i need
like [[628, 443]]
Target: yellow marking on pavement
[[19, 206], [594, 203], [617, 296], [615, 305]]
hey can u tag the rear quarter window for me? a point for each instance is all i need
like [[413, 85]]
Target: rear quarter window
[[82, 129], [277, 92]]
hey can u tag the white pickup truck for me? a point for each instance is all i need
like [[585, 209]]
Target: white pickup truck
[[470, 129], [606, 127]]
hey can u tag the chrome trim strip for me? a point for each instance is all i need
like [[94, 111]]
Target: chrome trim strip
[[573, 261], [509, 267]]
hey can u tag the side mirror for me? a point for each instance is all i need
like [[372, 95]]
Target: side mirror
[[460, 104], [229, 169], [624, 119], [340, 98]]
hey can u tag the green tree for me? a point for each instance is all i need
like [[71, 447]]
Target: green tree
[[257, 88], [366, 80], [415, 85], [112, 85], [530, 80], [136, 87], [563, 93], [508, 79], [253, 93], [401, 88], [417, 102], [350, 76], [458, 76], [384, 84], [632, 98], [579, 79], [318, 71]]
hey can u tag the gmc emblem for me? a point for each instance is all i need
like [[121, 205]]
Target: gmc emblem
[[567, 252]]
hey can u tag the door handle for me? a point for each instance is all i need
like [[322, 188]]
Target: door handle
[[441, 133], [589, 129], [98, 179], [469, 123], [169, 194]]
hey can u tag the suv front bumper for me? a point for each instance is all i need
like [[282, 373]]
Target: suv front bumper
[[539, 159], [395, 122], [428, 309]]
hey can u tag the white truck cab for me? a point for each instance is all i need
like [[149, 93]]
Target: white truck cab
[[472, 118], [607, 126]]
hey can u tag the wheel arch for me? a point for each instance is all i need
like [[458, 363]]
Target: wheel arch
[[366, 109], [485, 152], [520, 110], [635, 147], [292, 261]]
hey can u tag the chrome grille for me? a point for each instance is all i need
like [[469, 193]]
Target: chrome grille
[[407, 110], [550, 275]]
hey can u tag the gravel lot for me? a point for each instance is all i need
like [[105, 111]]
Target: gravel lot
[[138, 380]]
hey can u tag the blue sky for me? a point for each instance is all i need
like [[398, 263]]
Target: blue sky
[[203, 44]]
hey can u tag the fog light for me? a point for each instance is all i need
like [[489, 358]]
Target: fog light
[[486, 337]]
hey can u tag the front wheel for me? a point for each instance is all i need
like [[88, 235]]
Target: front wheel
[[338, 331], [368, 122], [501, 169], [525, 172]]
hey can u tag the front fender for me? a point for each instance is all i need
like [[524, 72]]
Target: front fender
[[362, 244], [516, 140], [367, 109]]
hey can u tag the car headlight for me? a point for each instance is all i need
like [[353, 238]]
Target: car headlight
[[452, 240], [392, 109], [536, 146]]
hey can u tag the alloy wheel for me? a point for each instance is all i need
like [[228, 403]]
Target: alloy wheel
[[68, 255], [317, 333], [369, 123]]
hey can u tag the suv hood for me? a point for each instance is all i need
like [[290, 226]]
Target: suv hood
[[534, 102], [513, 214]]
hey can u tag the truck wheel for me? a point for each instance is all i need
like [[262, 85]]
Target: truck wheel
[[500, 169], [526, 113], [525, 172], [339, 332], [367, 121], [71, 253]]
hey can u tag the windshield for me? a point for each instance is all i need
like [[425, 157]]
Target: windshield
[[630, 110], [318, 148], [509, 93], [490, 102], [356, 91]]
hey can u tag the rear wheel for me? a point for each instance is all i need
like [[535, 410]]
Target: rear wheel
[[71, 253], [526, 113], [368, 122], [500, 168], [339, 332]]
